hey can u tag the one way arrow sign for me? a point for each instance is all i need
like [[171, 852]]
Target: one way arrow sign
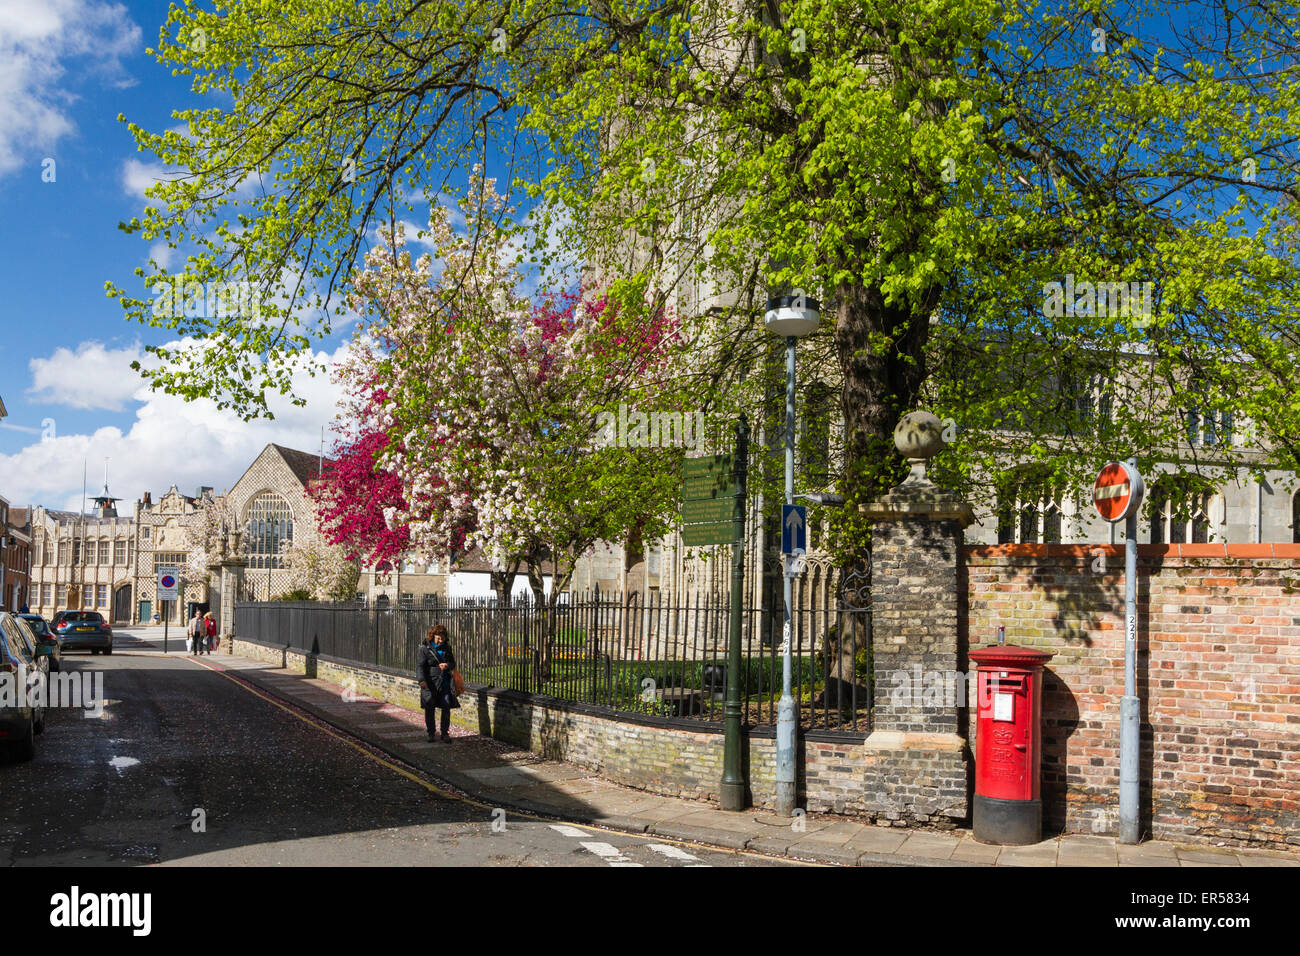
[[794, 529]]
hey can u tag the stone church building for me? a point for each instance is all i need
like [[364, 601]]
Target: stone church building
[[108, 562]]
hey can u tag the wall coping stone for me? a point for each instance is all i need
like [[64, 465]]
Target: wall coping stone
[[906, 740], [1221, 550], [924, 501]]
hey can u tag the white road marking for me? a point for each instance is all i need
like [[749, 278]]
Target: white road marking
[[121, 763], [568, 831], [675, 853], [608, 852]]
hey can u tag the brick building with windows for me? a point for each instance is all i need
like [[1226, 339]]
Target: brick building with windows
[[15, 557]]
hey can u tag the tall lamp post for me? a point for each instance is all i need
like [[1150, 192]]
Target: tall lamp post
[[791, 317]]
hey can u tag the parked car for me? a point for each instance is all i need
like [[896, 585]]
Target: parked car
[[45, 635], [21, 717], [83, 630]]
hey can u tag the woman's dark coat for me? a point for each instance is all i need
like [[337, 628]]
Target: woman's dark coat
[[441, 689]]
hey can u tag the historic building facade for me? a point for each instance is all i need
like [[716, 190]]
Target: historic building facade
[[271, 506], [107, 562], [162, 541], [83, 562]]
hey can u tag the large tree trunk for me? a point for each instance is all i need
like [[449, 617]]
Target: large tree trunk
[[880, 385]]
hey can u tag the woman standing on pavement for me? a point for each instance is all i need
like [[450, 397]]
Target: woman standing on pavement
[[433, 669], [210, 631]]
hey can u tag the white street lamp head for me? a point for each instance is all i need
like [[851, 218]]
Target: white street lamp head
[[792, 316]]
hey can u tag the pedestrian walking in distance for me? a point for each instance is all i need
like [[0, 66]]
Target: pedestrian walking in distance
[[209, 632], [196, 633], [433, 670]]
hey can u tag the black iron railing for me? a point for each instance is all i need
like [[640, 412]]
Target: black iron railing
[[657, 657]]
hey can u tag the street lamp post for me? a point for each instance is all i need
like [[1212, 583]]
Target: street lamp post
[[791, 317]]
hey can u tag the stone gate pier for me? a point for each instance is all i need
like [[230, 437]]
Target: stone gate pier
[[917, 762]]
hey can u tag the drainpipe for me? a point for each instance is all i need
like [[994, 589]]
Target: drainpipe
[[1259, 510]]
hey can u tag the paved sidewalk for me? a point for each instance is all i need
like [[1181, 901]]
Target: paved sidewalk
[[499, 775]]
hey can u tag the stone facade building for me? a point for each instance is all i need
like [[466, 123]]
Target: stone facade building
[[83, 562], [161, 536], [117, 573], [270, 503]]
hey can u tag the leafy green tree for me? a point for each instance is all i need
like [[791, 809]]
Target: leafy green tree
[[963, 184]]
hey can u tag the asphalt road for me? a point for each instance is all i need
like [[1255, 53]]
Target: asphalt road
[[186, 766]]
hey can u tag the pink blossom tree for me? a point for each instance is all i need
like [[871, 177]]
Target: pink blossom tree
[[487, 401]]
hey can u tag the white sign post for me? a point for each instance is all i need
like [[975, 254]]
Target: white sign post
[[168, 580], [1117, 495]]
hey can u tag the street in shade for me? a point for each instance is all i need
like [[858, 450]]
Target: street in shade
[[186, 766]]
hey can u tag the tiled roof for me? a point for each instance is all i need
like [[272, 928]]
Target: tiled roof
[[305, 466]]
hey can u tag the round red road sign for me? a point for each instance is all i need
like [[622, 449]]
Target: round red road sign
[[168, 581], [1118, 491]]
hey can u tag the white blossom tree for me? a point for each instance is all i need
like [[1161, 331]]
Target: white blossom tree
[[490, 400]]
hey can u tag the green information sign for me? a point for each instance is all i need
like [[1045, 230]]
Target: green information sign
[[709, 490], [695, 512], [704, 467], [697, 535], [723, 486]]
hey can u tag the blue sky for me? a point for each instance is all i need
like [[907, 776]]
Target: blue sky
[[67, 69]]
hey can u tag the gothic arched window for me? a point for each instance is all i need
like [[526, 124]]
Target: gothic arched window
[[1028, 508], [1179, 510], [269, 530]]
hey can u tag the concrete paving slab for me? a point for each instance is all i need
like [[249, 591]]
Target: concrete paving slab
[[719, 819], [1206, 855], [1086, 839], [823, 852], [1263, 859], [1085, 855], [1039, 854], [968, 851], [1144, 855], [928, 846], [878, 839]]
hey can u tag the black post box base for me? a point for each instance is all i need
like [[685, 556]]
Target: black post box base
[[1008, 822]]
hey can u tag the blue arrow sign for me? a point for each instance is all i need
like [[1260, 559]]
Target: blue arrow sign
[[794, 529]]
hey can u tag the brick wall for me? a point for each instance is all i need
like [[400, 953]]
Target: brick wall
[[646, 754], [1218, 677]]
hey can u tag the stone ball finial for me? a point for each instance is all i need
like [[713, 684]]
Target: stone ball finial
[[918, 437]]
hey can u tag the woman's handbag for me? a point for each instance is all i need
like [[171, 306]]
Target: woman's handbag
[[457, 681]]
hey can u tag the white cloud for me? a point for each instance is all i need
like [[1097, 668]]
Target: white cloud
[[93, 377], [163, 254], [37, 40], [171, 441], [138, 176]]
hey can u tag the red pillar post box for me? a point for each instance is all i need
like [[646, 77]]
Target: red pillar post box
[[1008, 806]]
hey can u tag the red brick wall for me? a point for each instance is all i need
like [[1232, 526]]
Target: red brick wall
[[1218, 676]]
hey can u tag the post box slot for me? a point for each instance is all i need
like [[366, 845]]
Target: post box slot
[[1006, 685]]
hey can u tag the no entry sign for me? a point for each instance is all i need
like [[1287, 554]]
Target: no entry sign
[[167, 584], [1118, 491]]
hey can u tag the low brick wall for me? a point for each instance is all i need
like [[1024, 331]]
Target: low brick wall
[[1218, 676], [661, 756]]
